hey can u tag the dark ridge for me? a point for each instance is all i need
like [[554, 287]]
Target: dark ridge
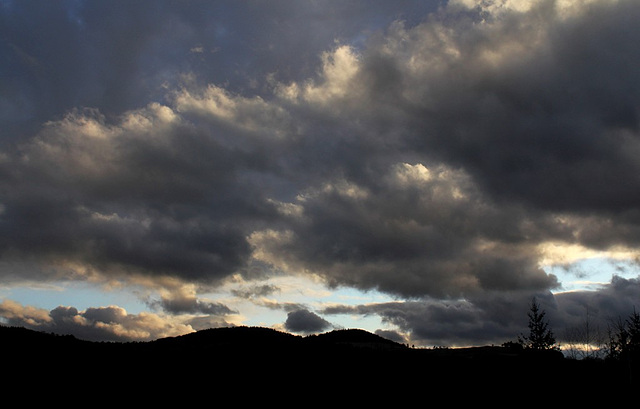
[[353, 338], [259, 338], [20, 338], [263, 357], [230, 337]]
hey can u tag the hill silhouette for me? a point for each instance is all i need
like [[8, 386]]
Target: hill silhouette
[[263, 356], [260, 337]]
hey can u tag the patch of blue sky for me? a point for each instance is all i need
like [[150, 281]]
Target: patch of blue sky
[[591, 274], [306, 294], [80, 295]]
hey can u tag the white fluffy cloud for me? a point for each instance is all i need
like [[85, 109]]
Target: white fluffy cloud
[[95, 324]]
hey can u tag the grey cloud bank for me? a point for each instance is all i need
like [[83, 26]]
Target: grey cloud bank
[[430, 151]]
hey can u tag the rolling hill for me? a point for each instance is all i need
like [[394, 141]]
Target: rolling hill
[[264, 357]]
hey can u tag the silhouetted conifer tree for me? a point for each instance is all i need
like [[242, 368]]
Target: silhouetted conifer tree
[[540, 335]]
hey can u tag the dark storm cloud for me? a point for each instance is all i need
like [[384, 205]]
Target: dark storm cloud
[[614, 301], [184, 196], [450, 323], [429, 157], [304, 321], [414, 232], [392, 335], [119, 55], [498, 317], [526, 118], [145, 190], [542, 109], [144, 194]]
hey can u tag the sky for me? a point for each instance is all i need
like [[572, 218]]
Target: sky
[[419, 169]]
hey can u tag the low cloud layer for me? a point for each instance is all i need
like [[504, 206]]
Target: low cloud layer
[[94, 324], [437, 159]]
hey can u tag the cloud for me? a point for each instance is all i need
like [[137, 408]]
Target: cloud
[[256, 291], [522, 125], [615, 300], [440, 154], [498, 317], [449, 323], [185, 301], [413, 232], [546, 158], [94, 324], [146, 194], [304, 321]]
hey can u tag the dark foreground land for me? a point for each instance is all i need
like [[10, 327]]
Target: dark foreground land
[[251, 359]]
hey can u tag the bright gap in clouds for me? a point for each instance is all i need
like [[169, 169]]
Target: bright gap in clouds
[[291, 294], [80, 295], [581, 269], [590, 274]]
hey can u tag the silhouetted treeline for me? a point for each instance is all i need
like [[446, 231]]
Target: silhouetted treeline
[[623, 346], [262, 356]]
